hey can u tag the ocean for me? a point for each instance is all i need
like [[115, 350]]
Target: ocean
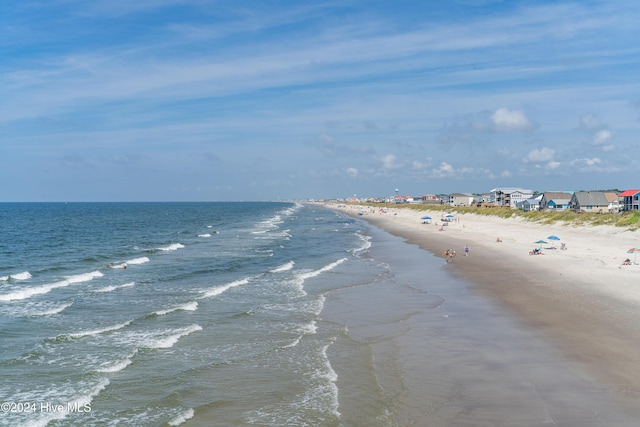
[[260, 314], [152, 314]]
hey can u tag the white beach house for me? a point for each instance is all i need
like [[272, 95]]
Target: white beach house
[[512, 197]]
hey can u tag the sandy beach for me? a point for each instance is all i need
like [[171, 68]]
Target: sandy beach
[[583, 301]]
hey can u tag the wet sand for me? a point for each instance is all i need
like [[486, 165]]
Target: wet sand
[[532, 344]]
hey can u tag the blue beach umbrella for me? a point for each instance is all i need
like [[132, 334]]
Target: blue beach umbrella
[[426, 217], [553, 238]]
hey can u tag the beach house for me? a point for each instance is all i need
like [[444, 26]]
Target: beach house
[[532, 204], [511, 197], [614, 202], [430, 199], [590, 201], [629, 200], [555, 200], [461, 199]]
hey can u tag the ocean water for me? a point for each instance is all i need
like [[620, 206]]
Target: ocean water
[[263, 314], [152, 314]]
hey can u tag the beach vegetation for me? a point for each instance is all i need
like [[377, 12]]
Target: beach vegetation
[[629, 220]]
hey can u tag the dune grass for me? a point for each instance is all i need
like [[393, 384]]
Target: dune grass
[[629, 220]]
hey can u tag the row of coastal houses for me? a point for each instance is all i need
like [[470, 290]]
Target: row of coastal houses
[[526, 199]]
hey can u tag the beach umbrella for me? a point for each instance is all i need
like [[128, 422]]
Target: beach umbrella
[[633, 251], [541, 242], [426, 217], [448, 216], [555, 238]]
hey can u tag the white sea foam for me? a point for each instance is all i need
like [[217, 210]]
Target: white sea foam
[[42, 418], [97, 331], [173, 247], [309, 328], [293, 344], [140, 260], [324, 269], [331, 377], [114, 287], [366, 244], [28, 292], [204, 235], [284, 267], [268, 224], [182, 417], [25, 275], [324, 394], [298, 282], [35, 309], [189, 306], [52, 310], [115, 367], [168, 339], [317, 305], [119, 365], [223, 288]]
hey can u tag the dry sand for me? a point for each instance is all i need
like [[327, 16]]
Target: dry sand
[[582, 299]]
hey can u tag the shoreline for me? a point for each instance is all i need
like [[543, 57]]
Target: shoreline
[[581, 300]]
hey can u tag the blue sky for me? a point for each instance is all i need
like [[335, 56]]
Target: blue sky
[[198, 100]]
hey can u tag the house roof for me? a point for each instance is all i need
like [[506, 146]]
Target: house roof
[[512, 190], [549, 195], [591, 198], [628, 193], [611, 197], [559, 201], [535, 199]]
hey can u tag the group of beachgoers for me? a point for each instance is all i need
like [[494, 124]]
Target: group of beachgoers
[[450, 254]]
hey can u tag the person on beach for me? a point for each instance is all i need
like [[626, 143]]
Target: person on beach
[[466, 250]]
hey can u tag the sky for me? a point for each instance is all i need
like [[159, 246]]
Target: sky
[[217, 100]]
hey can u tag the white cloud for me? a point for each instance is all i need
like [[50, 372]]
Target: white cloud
[[444, 170], [389, 162], [540, 155], [586, 164], [553, 165], [505, 120], [352, 171], [600, 131], [602, 136], [418, 165]]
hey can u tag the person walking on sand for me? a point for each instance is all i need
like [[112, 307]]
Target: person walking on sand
[[466, 250]]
